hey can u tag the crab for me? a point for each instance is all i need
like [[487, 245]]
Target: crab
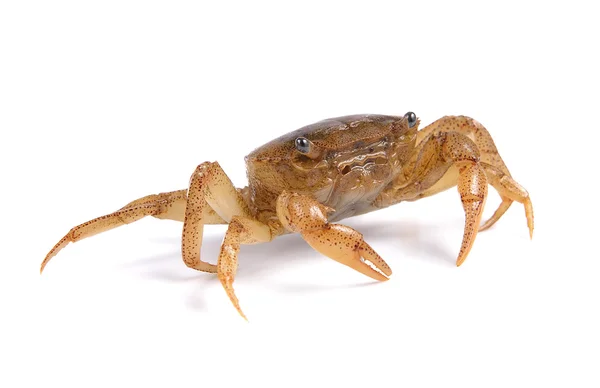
[[307, 180]]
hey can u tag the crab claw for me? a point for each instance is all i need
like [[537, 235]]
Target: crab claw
[[370, 258], [345, 245]]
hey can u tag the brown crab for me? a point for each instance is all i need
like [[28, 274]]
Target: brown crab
[[307, 179]]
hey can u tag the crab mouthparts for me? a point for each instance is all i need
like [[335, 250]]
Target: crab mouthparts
[[361, 163]]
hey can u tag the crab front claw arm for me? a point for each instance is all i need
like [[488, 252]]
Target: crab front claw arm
[[341, 243]]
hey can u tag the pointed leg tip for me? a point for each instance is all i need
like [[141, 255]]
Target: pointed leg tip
[[43, 265], [239, 310], [530, 227], [227, 283], [529, 216], [57, 248]]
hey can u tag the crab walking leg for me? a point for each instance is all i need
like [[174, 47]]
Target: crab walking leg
[[241, 230], [444, 160], [209, 188], [472, 187], [176, 207], [487, 149], [510, 189], [308, 217], [169, 205], [474, 131], [502, 208]]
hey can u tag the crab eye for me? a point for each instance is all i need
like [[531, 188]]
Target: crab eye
[[302, 145], [411, 119]]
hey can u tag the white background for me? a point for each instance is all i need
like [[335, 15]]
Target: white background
[[104, 102]]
